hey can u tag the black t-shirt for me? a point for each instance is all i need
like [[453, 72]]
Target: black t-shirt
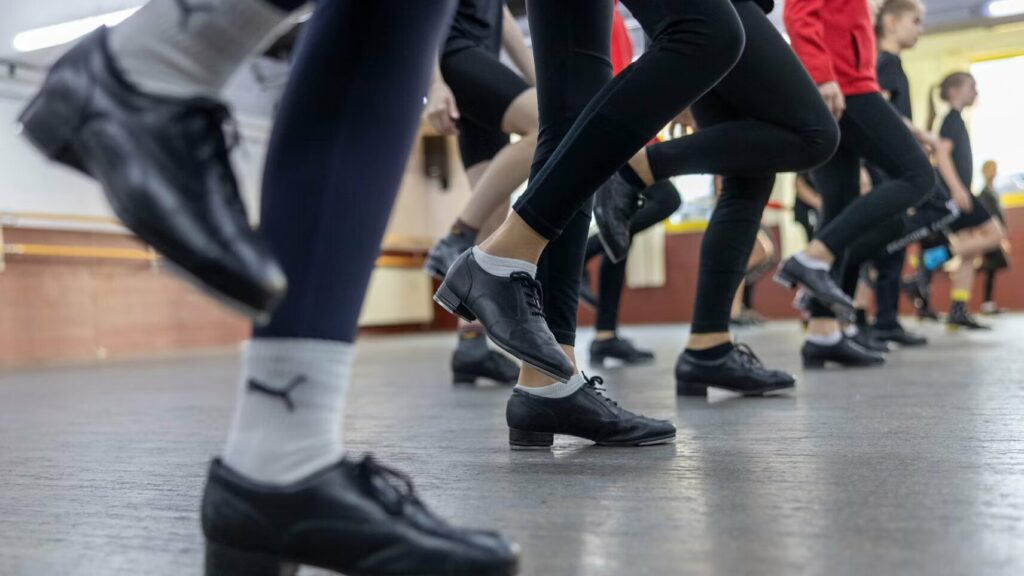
[[477, 24], [893, 80], [954, 129]]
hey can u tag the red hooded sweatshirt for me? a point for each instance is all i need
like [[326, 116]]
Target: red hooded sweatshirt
[[835, 40], [622, 46]]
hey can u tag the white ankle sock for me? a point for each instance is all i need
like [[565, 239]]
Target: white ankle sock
[[812, 263], [499, 266], [288, 415], [184, 48], [830, 340], [556, 390]]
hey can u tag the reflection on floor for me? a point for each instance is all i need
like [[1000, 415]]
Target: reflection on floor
[[916, 468]]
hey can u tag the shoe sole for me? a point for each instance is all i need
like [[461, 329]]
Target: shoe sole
[[841, 310], [520, 440], [446, 299], [600, 362], [604, 244], [57, 144], [830, 364], [464, 379], [225, 561], [700, 389]]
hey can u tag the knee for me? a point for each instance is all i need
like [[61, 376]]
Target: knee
[[522, 116], [673, 202], [665, 196], [728, 41], [821, 140], [920, 177], [718, 37]]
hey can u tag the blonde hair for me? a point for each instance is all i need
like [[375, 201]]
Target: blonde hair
[[896, 8]]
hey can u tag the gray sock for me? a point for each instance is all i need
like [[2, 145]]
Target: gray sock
[[184, 48], [830, 340], [501, 266], [288, 415], [556, 390], [812, 263]]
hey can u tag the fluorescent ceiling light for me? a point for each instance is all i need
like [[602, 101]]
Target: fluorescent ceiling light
[[57, 34], [1002, 8]]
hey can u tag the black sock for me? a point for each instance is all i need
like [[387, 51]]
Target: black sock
[[630, 175], [862, 317], [472, 339], [460, 228], [711, 354]]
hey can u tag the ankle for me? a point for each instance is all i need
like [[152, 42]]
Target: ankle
[[515, 239], [818, 251], [708, 340], [640, 166]]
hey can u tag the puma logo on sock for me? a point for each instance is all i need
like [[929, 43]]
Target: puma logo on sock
[[285, 394], [187, 10]]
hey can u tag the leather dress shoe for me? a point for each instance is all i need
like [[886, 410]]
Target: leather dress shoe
[[510, 308], [164, 167], [819, 283], [356, 518], [615, 204], [587, 413], [740, 371]]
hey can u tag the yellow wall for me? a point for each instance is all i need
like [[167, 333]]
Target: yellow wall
[[937, 55]]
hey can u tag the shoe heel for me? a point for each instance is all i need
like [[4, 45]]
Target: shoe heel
[[463, 378], [597, 361], [452, 303], [814, 363], [691, 389], [524, 440], [51, 128], [224, 561]]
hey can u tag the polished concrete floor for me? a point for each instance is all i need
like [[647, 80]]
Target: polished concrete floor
[[916, 468]]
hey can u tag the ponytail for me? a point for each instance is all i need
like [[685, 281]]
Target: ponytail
[[942, 90]]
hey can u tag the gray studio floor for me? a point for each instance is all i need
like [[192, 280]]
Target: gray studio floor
[[917, 468]]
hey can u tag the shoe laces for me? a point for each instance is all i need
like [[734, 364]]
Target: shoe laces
[[594, 384], [395, 490], [747, 356], [216, 119], [533, 290]]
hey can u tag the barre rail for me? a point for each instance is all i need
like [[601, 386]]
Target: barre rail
[[393, 242]]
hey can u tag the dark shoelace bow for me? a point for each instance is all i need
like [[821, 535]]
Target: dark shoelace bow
[[534, 292], [396, 493], [595, 385], [215, 119], [394, 489], [747, 355]]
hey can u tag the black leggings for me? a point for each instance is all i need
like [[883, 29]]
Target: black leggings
[[990, 283], [572, 60], [792, 112], [871, 130], [887, 289], [747, 135], [660, 201], [693, 44], [361, 71], [857, 228]]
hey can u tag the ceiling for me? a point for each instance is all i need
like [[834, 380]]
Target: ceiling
[[19, 15]]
